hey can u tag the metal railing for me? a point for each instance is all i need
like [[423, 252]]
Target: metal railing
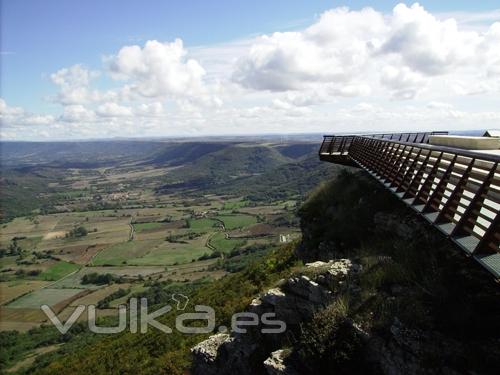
[[334, 144], [458, 191]]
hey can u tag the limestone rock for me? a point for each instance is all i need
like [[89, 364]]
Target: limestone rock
[[207, 352], [293, 301], [275, 364]]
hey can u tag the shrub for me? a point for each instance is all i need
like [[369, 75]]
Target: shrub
[[329, 343]]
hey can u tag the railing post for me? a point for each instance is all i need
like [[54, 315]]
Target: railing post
[[429, 180], [452, 203], [441, 185], [410, 172], [401, 172], [475, 203]]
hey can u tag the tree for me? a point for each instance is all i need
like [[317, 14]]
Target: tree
[[77, 232]]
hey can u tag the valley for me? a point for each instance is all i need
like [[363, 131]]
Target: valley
[[170, 220]]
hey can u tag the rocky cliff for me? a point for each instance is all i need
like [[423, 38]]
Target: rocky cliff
[[295, 301], [380, 293]]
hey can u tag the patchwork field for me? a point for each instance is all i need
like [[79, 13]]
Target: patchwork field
[[114, 224], [13, 289], [124, 252], [141, 227], [203, 224], [75, 280], [97, 295], [172, 253], [45, 296]]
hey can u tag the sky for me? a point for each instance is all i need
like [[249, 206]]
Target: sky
[[119, 68]]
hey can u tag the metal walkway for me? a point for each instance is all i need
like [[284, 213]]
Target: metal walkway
[[456, 190]]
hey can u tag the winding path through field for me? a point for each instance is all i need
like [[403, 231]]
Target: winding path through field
[[132, 230]]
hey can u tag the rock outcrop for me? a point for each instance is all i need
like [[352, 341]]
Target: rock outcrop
[[294, 301], [276, 364]]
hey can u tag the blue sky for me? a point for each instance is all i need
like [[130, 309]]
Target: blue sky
[[39, 38]]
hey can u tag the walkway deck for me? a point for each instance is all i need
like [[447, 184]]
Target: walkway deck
[[457, 191]]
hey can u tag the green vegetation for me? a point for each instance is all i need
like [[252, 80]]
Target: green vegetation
[[14, 345], [139, 227], [237, 221], [155, 351], [100, 279], [234, 205], [22, 194], [328, 343], [354, 199], [202, 224], [223, 244], [81, 193], [180, 238], [240, 258], [171, 253], [104, 303], [43, 296], [123, 252], [58, 271], [409, 276], [77, 232]]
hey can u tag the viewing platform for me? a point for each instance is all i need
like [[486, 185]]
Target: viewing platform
[[451, 181]]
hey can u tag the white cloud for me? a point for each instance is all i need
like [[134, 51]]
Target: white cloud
[[6, 110], [403, 82], [426, 44], [74, 84], [12, 117], [77, 113], [439, 105], [330, 51], [158, 69], [111, 109], [151, 109], [75, 76], [352, 51]]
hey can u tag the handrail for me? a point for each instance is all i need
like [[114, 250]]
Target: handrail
[[340, 144], [452, 150], [456, 190]]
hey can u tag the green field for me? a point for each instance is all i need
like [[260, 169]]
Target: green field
[[202, 224], [221, 243], [237, 221], [120, 253], [234, 205], [172, 253], [58, 271], [45, 296], [139, 227]]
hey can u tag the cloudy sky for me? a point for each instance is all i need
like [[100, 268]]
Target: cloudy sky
[[104, 69]]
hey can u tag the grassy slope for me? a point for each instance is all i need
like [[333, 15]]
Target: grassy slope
[[156, 352], [410, 273]]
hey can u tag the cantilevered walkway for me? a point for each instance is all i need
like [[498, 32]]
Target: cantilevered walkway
[[456, 190]]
